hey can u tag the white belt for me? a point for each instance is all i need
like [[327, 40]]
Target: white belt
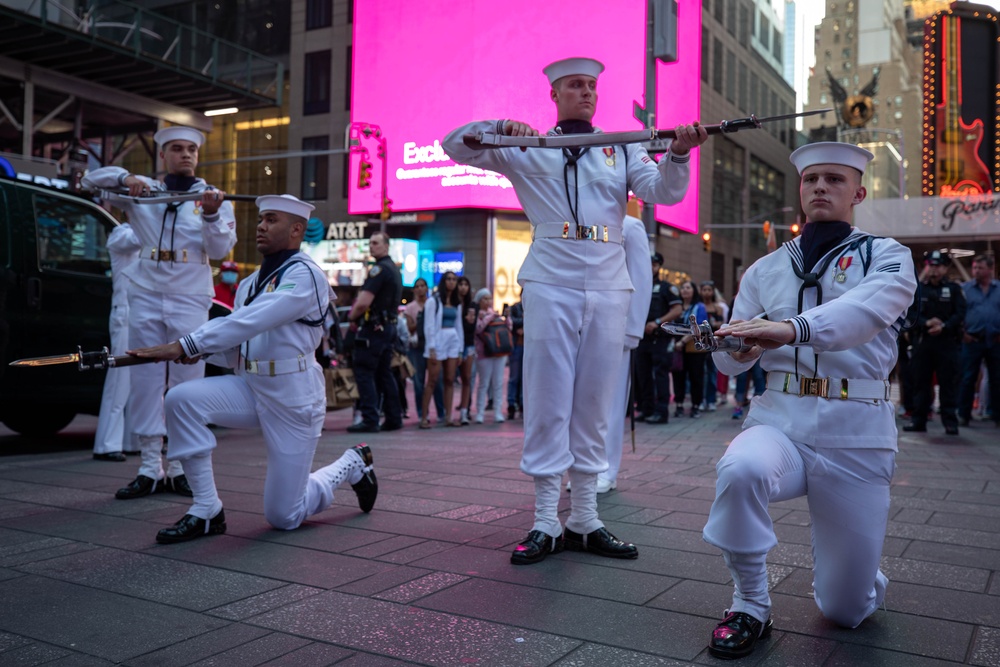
[[841, 388], [274, 367], [568, 230], [166, 255]]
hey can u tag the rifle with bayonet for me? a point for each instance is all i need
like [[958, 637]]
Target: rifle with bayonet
[[486, 140]]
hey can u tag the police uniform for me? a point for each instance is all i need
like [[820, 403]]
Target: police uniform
[[270, 340], [824, 428], [654, 355], [937, 355], [575, 290], [170, 294], [640, 271], [112, 436], [373, 346]]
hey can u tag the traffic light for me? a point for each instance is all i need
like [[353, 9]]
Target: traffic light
[[364, 174], [706, 240], [795, 229], [386, 208]]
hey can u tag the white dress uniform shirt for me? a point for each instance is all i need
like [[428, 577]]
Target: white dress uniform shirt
[[202, 237]]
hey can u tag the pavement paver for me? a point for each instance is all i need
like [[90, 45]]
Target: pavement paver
[[425, 579]]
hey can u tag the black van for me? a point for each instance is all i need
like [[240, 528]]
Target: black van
[[55, 294]]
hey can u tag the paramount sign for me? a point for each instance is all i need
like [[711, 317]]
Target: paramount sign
[[968, 216]]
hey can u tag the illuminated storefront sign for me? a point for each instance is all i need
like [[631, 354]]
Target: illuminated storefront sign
[[449, 82], [346, 262]]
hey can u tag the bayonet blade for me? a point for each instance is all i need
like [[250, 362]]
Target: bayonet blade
[[54, 360]]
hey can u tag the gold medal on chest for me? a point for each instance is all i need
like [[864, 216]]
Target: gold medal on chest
[[609, 153], [842, 265]]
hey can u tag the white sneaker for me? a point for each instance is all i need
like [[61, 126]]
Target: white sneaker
[[480, 418], [711, 407], [499, 419], [605, 485], [463, 416]]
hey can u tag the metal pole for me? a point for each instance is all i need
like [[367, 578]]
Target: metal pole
[[649, 210]]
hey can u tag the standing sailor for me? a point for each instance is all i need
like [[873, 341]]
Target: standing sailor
[[171, 288]]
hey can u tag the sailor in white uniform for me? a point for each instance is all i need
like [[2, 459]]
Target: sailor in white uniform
[[575, 296], [270, 339], [171, 288], [640, 271], [112, 436], [822, 313]]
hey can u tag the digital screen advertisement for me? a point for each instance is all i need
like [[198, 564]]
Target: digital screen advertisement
[[423, 69]]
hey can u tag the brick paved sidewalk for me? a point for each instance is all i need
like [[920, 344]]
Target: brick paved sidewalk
[[425, 579]]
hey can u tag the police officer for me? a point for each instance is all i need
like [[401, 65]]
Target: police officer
[[936, 341], [655, 352], [373, 318]]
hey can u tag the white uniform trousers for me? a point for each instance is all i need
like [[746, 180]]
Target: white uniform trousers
[[112, 434], [572, 349], [291, 493], [848, 494], [616, 421], [155, 319], [490, 372]]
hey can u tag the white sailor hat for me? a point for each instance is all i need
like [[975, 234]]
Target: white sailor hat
[[567, 66], [179, 132], [830, 152], [285, 204]]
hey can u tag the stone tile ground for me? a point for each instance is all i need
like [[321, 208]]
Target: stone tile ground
[[425, 578]]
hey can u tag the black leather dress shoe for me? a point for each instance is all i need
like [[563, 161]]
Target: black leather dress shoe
[[191, 527], [915, 428], [180, 486], [367, 486], [535, 548], [657, 418], [387, 426], [963, 421], [951, 429], [736, 635], [600, 542], [139, 487], [362, 428], [109, 456]]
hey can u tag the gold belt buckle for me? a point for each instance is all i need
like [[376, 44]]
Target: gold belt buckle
[[165, 255], [814, 387]]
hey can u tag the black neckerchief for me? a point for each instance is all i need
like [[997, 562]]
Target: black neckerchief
[[819, 238], [270, 264], [178, 183], [573, 155], [175, 183]]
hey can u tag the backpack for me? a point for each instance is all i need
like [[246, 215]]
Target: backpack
[[497, 338]]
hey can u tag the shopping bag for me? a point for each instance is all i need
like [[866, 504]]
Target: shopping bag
[[341, 389]]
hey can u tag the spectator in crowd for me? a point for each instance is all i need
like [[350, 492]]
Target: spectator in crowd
[[936, 341], [981, 341], [655, 351], [692, 367], [467, 364], [718, 314], [229, 276], [490, 369], [415, 325], [444, 338], [515, 398]]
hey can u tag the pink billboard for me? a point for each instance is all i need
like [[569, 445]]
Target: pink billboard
[[422, 69]]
